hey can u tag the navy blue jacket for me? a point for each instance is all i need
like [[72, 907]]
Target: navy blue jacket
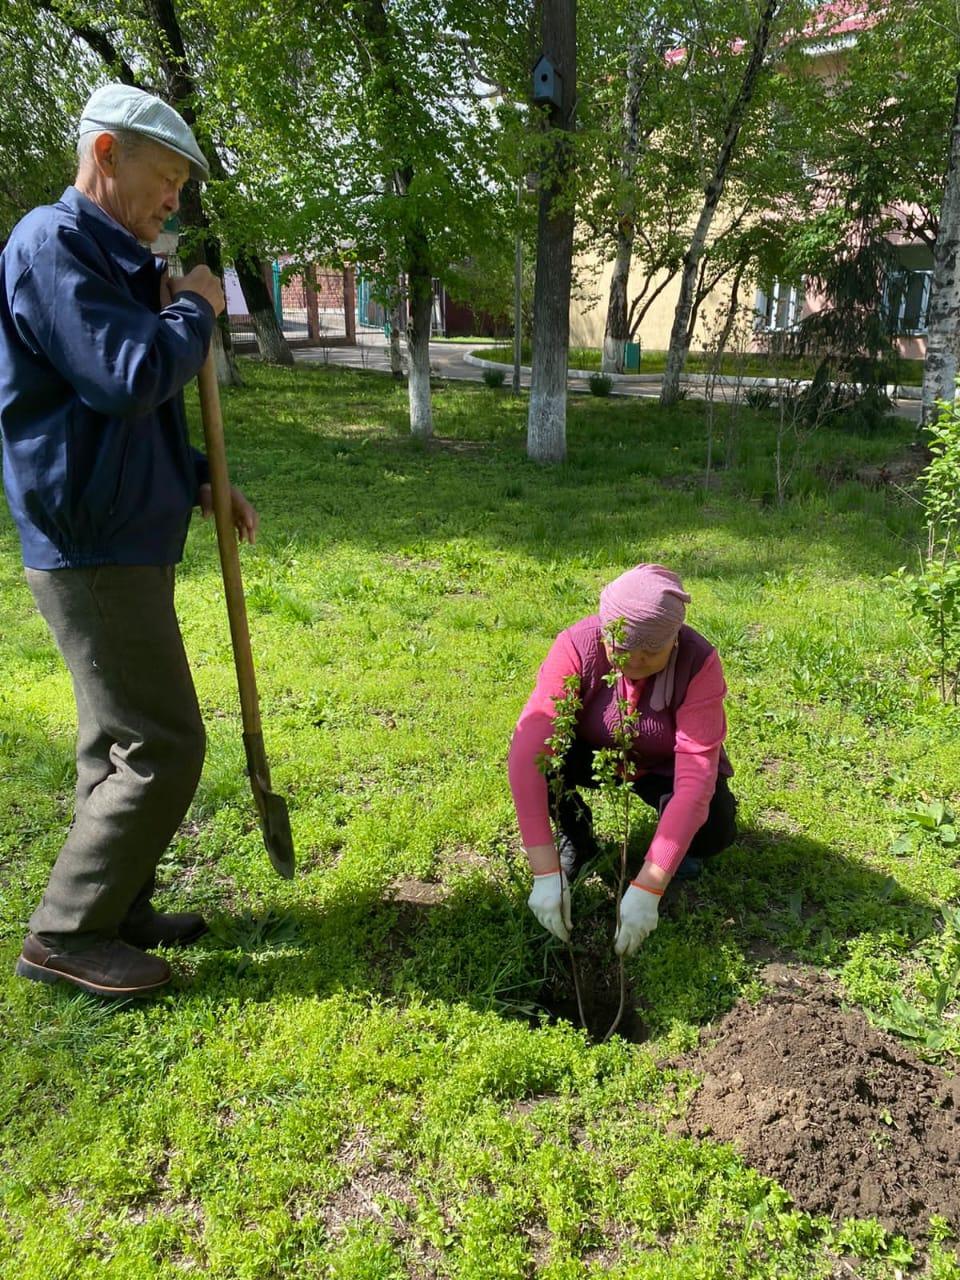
[[97, 464]]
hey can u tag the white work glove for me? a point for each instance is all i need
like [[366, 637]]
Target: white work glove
[[550, 902], [638, 918]]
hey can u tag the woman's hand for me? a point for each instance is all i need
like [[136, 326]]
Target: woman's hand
[[550, 902]]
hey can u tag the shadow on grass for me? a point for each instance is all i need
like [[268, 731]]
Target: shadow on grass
[[341, 443], [769, 897], [773, 895]]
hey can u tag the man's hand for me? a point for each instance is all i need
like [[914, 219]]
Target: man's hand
[[639, 916], [246, 521], [201, 280], [550, 902]]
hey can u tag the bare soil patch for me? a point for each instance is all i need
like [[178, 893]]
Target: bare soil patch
[[846, 1118], [899, 472]]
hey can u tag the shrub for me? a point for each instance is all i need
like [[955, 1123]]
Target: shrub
[[494, 377], [760, 398], [600, 384], [933, 591]]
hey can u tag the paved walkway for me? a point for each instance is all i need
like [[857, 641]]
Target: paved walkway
[[449, 360]]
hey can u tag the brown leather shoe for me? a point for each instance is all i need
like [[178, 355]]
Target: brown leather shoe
[[111, 969], [164, 929]]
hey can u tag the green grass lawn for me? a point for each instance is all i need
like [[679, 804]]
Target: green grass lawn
[[341, 1081], [755, 365]]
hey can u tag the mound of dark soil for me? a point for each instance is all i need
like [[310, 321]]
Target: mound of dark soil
[[842, 1115]]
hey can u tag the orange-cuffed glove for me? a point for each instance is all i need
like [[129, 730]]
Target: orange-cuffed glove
[[639, 908]]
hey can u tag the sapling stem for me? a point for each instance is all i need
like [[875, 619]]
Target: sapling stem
[[622, 738], [620, 892], [576, 985]]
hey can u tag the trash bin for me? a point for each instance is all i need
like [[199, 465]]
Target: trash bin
[[631, 357]]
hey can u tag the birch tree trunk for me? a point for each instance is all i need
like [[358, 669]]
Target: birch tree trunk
[[547, 416], [617, 331], [679, 335], [940, 365]]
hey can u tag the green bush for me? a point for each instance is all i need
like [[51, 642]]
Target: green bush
[[494, 378], [933, 591], [760, 398], [600, 384]]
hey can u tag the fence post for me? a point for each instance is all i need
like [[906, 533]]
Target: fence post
[[313, 309], [277, 294]]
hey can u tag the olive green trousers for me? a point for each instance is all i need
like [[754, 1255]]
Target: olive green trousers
[[140, 743]]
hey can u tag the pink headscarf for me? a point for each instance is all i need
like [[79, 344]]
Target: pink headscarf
[[652, 602]]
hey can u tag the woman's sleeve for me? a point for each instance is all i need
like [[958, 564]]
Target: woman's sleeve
[[701, 728], [534, 727]]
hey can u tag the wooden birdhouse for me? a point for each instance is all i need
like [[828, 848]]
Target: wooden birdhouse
[[547, 82]]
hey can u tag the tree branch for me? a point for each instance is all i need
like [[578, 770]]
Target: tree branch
[[98, 41]]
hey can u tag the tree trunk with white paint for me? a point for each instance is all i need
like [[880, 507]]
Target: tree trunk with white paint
[[618, 329], [271, 343], [679, 335], [547, 416], [419, 320], [943, 334], [396, 359], [223, 360]]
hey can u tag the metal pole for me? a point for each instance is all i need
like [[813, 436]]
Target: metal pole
[[517, 292]]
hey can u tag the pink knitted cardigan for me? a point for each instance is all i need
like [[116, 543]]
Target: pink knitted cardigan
[[700, 730]]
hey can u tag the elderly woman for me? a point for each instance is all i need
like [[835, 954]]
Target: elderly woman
[[672, 676]]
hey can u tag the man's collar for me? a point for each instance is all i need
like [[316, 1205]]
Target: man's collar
[[125, 249]]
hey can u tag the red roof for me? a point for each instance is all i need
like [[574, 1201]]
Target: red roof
[[830, 22]]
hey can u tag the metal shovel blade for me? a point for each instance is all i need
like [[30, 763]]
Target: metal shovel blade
[[274, 818]]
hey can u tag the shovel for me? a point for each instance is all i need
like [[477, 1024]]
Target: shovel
[[272, 809]]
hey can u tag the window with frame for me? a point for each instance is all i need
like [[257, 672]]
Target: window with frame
[[906, 301], [779, 306]]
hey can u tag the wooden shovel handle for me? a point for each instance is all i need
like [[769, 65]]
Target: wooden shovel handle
[[212, 417]]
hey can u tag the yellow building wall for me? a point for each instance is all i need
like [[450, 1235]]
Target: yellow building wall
[[588, 306]]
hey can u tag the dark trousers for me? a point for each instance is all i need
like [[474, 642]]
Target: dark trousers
[[140, 743], [575, 819]]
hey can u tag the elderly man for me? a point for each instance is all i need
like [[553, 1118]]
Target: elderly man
[[96, 345]]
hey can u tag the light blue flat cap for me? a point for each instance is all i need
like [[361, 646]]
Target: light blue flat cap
[[120, 106]]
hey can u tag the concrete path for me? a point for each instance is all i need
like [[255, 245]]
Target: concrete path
[[450, 360]]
